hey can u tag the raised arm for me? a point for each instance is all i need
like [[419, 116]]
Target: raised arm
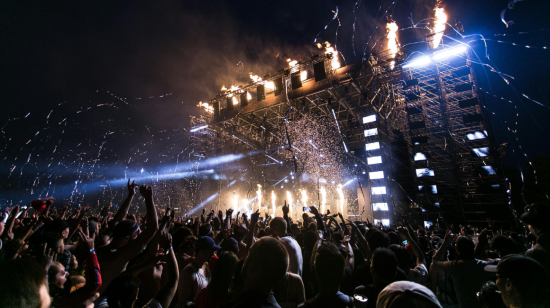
[[441, 252], [9, 223], [134, 247], [420, 259], [319, 219], [360, 238], [252, 229], [166, 293], [314, 251], [122, 210]]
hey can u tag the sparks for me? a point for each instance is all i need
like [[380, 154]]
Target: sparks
[[304, 197], [259, 196], [341, 195], [289, 203], [323, 198], [273, 204]]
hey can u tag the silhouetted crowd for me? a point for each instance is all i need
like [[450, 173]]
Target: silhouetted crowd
[[55, 257]]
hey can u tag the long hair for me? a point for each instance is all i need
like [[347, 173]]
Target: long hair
[[224, 270]]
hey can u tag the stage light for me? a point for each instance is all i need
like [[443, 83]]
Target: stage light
[[372, 146], [418, 62], [380, 206], [424, 172], [481, 152], [428, 224], [385, 222], [434, 189], [374, 160], [381, 190], [197, 128], [419, 156], [348, 182], [355, 165], [376, 175], [371, 132], [369, 119], [490, 170], [476, 135], [449, 52]]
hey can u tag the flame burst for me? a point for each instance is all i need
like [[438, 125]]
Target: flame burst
[[273, 205], [235, 202], [323, 199], [341, 195], [207, 107], [259, 196], [303, 75], [439, 24], [289, 203], [245, 207], [304, 196], [392, 40], [269, 85], [328, 49], [248, 96], [291, 62], [235, 101]]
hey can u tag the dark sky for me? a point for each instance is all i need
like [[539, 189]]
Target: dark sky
[[63, 57]]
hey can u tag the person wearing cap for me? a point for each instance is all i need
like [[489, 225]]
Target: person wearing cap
[[406, 294], [128, 241], [193, 278], [537, 216], [522, 281]]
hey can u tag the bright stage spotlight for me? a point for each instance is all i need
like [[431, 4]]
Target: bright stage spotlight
[[418, 62], [444, 54], [197, 128]]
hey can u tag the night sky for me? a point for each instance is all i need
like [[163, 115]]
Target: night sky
[[148, 63]]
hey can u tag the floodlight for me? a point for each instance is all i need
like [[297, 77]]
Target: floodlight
[[369, 119], [374, 160], [381, 190], [418, 62], [449, 52], [381, 206], [424, 172], [419, 156], [481, 152], [376, 175], [372, 146], [371, 132]]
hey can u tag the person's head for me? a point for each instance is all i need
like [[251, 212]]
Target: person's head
[[394, 238], [222, 276], [465, 248], [295, 229], [205, 248], [312, 226], [230, 244], [377, 239], [384, 265], [522, 281], [403, 257], [504, 246], [536, 216], [124, 232], [265, 265], [57, 275], [406, 294], [489, 296], [23, 284], [54, 241], [278, 226], [329, 267], [188, 245], [58, 225], [179, 237], [206, 230], [123, 291], [239, 231]]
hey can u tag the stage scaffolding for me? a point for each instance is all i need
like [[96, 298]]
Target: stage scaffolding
[[421, 135]]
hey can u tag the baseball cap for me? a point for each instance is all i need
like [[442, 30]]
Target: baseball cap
[[537, 215], [125, 228], [206, 242], [404, 294], [520, 268]]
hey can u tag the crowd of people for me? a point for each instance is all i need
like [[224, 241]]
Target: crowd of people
[[55, 257]]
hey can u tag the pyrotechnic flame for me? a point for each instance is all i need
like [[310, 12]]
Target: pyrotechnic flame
[[206, 107], [235, 202], [235, 101], [291, 63], [259, 196], [335, 63], [273, 204], [224, 88], [341, 195], [392, 40], [323, 199], [289, 202], [245, 205], [439, 24], [304, 197], [269, 85], [303, 75], [248, 96]]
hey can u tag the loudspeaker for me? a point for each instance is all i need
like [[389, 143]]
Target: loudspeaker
[[244, 101], [296, 80], [229, 104], [278, 86], [216, 105], [319, 71], [260, 92]]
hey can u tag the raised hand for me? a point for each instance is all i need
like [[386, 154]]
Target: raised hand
[[314, 210], [87, 243], [165, 240], [146, 192], [254, 217], [285, 209], [47, 257], [132, 187]]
